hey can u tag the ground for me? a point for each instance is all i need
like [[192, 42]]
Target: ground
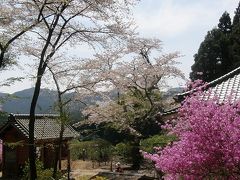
[[83, 170], [86, 168]]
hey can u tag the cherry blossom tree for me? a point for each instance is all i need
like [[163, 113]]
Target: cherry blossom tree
[[138, 76], [208, 146], [62, 25], [77, 76], [16, 19], [137, 73]]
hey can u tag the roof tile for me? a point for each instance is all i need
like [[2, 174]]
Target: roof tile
[[47, 126]]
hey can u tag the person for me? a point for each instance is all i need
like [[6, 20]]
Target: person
[[83, 154], [118, 167]]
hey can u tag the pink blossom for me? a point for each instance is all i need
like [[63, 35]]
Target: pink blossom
[[209, 142]]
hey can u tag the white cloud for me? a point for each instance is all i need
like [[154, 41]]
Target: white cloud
[[173, 17]]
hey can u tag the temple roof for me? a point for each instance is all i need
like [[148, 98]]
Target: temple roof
[[225, 88], [222, 88], [47, 126]]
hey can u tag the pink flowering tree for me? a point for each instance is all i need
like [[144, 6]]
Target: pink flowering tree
[[209, 142]]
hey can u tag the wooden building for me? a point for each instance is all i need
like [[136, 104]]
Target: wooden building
[[14, 135]]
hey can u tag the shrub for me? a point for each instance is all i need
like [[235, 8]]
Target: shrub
[[124, 150], [149, 144], [208, 146], [43, 174], [98, 150]]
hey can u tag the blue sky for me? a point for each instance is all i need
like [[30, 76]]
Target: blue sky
[[180, 24]]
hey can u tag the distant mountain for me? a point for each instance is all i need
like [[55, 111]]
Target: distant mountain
[[20, 101], [2, 94], [172, 92]]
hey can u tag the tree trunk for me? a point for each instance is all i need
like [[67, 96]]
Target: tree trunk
[[2, 58], [58, 150], [32, 150], [111, 165], [68, 164], [136, 155]]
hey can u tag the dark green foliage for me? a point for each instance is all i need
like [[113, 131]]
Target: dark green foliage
[[225, 24], [125, 151], [147, 127], [95, 150], [219, 53], [235, 38], [212, 59], [107, 131], [235, 46], [136, 155], [3, 118], [236, 18], [148, 144], [111, 133], [129, 153]]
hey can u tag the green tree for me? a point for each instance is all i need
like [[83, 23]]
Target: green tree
[[148, 144], [213, 58], [235, 46], [209, 60], [236, 18], [235, 38], [225, 24]]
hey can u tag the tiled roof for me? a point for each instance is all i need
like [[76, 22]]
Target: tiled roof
[[46, 126], [171, 111], [222, 88]]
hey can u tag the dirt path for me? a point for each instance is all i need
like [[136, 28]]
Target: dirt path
[[84, 169]]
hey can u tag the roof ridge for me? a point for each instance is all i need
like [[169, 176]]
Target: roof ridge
[[212, 83], [225, 76], [22, 126]]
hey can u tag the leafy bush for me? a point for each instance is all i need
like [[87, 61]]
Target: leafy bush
[[43, 174], [98, 150], [124, 151], [148, 144]]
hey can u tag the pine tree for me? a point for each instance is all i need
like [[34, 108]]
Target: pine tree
[[225, 24], [206, 59], [236, 18], [213, 58], [235, 38]]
